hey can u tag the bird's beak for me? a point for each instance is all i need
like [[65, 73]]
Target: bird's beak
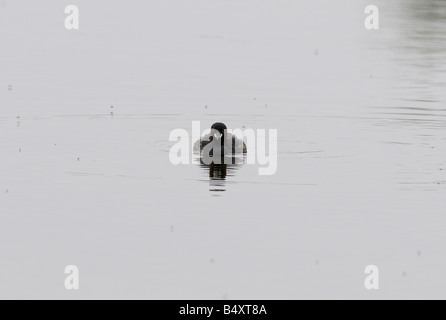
[[217, 135]]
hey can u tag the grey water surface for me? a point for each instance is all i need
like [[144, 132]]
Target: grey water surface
[[85, 176]]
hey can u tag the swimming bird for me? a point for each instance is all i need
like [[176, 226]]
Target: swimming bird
[[219, 137]]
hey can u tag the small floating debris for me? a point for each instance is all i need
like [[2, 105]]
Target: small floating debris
[[10, 87]]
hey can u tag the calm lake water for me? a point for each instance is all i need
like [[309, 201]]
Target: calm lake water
[[85, 176]]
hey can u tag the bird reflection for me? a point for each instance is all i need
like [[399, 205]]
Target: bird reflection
[[227, 167]]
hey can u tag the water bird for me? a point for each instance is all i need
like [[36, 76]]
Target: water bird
[[219, 136]]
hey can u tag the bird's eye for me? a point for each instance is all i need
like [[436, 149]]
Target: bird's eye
[[218, 135]]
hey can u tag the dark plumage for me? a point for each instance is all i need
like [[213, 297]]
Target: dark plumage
[[230, 144]]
